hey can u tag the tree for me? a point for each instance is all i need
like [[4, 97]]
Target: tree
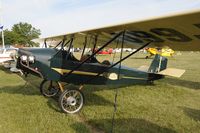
[[21, 34], [24, 33], [11, 37]]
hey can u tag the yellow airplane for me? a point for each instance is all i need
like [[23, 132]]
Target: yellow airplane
[[167, 52]]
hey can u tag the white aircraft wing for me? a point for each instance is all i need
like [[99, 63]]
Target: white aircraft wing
[[177, 31]]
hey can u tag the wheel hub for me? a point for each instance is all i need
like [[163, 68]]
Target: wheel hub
[[71, 101]]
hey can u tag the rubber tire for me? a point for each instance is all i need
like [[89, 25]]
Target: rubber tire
[[42, 91], [63, 94]]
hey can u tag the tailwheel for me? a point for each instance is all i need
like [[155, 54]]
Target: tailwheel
[[71, 100], [49, 88]]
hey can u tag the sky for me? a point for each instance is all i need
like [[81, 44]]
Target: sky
[[56, 17]]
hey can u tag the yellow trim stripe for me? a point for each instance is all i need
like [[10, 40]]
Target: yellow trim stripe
[[128, 77], [62, 71]]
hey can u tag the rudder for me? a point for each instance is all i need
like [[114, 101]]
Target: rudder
[[158, 64]]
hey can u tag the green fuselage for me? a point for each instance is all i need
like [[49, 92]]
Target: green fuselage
[[55, 65]]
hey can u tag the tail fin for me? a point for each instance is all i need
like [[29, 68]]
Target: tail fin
[[158, 64]]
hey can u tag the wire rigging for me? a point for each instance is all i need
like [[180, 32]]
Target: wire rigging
[[116, 90]]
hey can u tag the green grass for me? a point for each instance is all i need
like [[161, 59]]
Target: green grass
[[169, 105]]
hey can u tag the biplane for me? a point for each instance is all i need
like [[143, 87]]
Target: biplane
[[59, 66]]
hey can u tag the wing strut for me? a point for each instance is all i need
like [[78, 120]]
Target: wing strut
[[71, 44], [85, 43], [119, 61], [95, 43], [58, 44], [106, 44], [116, 90], [63, 44], [45, 43]]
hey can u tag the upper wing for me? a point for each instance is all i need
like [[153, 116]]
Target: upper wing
[[177, 31]]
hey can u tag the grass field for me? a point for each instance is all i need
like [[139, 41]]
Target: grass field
[[169, 105]]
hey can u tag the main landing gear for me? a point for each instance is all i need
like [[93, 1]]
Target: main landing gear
[[71, 99], [49, 88]]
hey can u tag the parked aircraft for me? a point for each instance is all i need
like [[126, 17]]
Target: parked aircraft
[[167, 52], [59, 66]]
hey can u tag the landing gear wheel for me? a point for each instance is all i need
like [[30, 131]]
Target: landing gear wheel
[[71, 101], [49, 88]]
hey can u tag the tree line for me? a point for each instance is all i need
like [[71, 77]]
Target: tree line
[[21, 34]]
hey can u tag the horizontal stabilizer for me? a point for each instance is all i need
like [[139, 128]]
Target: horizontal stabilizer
[[143, 68], [172, 72]]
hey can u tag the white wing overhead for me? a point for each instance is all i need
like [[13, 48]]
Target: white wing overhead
[[177, 31]]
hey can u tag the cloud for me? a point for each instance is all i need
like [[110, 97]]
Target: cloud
[[15, 11], [61, 16]]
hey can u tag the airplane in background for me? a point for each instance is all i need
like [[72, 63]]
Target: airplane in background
[[167, 52], [4, 56], [8, 59], [59, 67], [105, 52]]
